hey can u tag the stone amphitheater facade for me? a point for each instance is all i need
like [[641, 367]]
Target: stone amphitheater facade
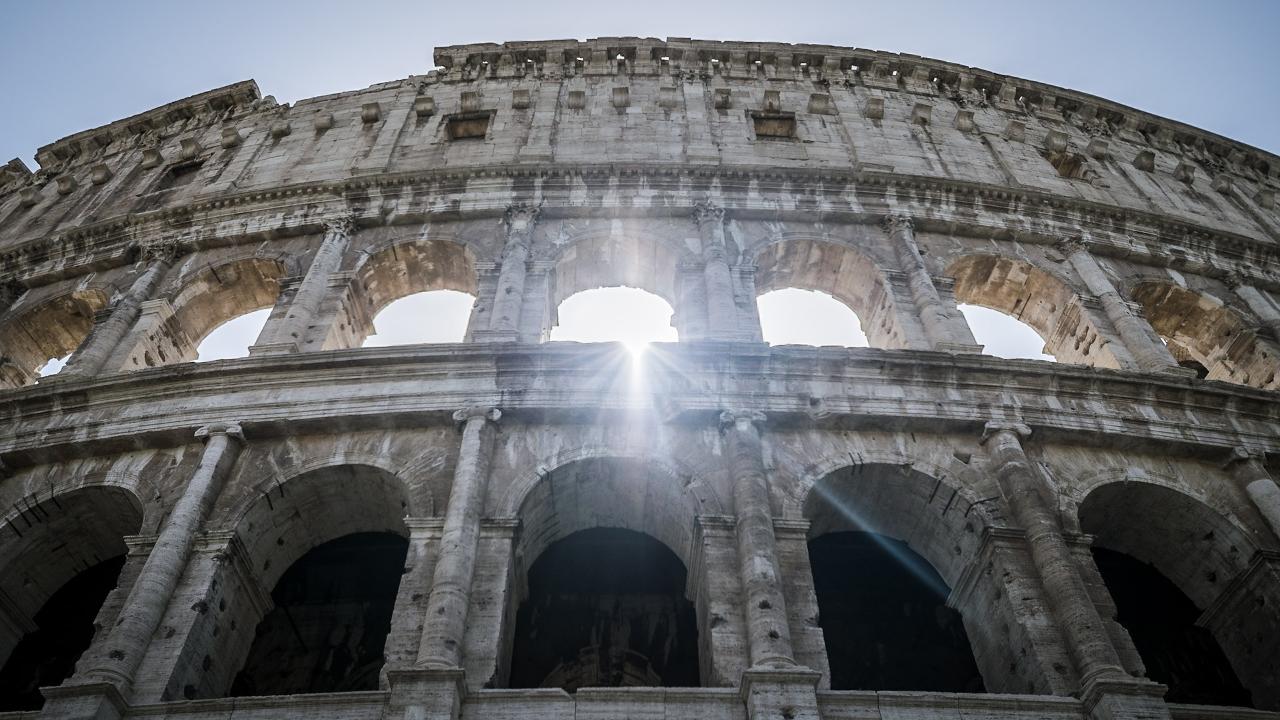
[[1144, 252]]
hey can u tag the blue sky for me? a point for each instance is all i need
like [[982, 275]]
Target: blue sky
[[72, 65]]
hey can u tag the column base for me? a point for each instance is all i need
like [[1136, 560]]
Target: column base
[[787, 694], [284, 348], [426, 694], [1124, 699], [959, 348], [83, 701], [1176, 371], [495, 336]]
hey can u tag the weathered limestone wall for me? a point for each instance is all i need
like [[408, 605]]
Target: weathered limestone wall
[[708, 174]]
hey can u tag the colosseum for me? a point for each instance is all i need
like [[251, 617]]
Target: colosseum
[[718, 529]]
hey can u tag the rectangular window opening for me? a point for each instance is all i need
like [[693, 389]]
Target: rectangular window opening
[[774, 125], [466, 126]]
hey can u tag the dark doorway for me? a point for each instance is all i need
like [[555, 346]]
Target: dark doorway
[[64, 630], [1162, 622], [330, 622], [883, 613], [606, 608]]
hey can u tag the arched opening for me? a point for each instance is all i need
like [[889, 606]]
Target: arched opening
[[1161, 621], [63, 630], [606, 608], [836, 271], [330, 622], [1004, 336], [601, 283], [1201, 331], [615, 314], [1033, 297], [61, 559], [213, 297], [437, 316], [616, 516], [305, 607], [884, 616], [1164, 572], [791, 316], [37, 342], [233, 338], [396, 296], [886, 544]]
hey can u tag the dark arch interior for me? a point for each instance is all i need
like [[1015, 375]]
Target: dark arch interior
[[884, 618], [606, 608], [1162, 622], [330, 622], [64, 629]]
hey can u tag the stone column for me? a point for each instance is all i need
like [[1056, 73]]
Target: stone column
[[690, 318], [508, 300], [286, 333], [126, 643], [768, 635], [1142, 342], [944, 325], [1249, 471], [1261, 303], [446, 613], [97, 350], [722, 311], [1105, 687]]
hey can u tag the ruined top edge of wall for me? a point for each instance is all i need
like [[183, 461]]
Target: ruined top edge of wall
[[781, 59], [212, 101]]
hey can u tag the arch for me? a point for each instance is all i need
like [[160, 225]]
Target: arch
[[889, 500], [628, 315], [332, 615], [943, 524], [606, 259], [207, 297], [1189, 542], [280, 523], [403, 266], [517, 493], [844, 273], [218, 293], [52, 329], [610, 492], [1043, 300], [1207, 557], [49, 544], [1200, 328], [317, 505], [606, 607], [395, 269]]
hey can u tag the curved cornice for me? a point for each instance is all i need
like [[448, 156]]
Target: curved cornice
[[1113, 230], [688, 383]]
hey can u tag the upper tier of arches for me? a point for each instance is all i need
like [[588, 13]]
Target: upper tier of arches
[[903, 283]]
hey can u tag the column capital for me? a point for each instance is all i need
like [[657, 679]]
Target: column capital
[[995, 427], [742, 419], [1241, 454], [230, 429], [899, 222], [521, 217], [341, 223], [707, 211], [483, 412], [165, 248], [1235, 279], [1071, 245]]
